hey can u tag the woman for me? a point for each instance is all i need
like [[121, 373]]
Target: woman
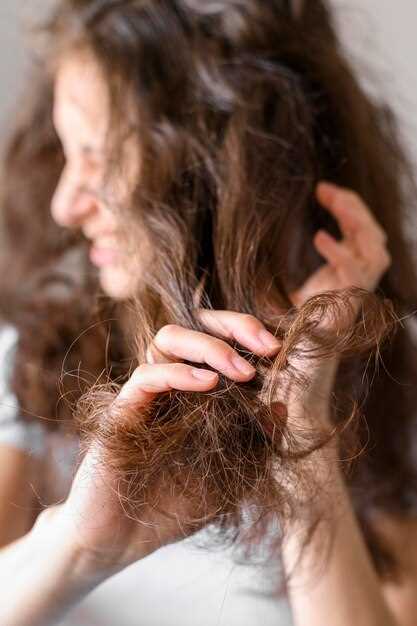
[[188, 139]]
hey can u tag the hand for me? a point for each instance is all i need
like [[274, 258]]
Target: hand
[[93, 517], [359, 260]]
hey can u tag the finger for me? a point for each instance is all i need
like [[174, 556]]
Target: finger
[[336, 253], [241, 327], [351, 270], [148, 380], [351, 212], [179, 343], [376, 258], [154, 355], [363, 233]]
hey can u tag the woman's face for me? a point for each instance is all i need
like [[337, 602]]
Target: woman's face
[[81, 118]]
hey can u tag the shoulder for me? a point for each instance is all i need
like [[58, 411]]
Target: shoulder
[[8, 341], [14, 431]]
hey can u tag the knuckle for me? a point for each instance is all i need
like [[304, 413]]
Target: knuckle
[[250, 322], [213, 321], [165, 334], [174, 370], [178, 368], [220, 345], [141, 371], [218, 349]]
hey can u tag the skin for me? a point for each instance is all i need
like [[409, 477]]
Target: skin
[[81, 119], [94, 536]]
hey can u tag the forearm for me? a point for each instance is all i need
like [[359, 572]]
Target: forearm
[[19, 483], [41, 577], [332, 578], [338, 587]]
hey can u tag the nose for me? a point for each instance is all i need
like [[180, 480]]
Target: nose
[[72, 203]]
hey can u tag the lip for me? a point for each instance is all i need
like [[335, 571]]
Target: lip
[[102, 256]]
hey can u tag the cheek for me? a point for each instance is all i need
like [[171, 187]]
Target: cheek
[[109, 221]]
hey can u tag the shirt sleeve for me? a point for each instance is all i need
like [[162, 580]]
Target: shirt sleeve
[[14, 431]]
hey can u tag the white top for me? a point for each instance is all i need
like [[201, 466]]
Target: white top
[[180, 585]]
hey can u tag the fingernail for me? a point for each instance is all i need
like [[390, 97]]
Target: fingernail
[[268, 340], [205, 375], [242, 365]]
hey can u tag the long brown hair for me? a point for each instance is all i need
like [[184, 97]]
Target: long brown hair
[[243, 106]]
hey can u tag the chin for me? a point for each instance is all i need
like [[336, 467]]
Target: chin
[[116, 283]]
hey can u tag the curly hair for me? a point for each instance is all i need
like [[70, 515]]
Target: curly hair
[[259, 105]]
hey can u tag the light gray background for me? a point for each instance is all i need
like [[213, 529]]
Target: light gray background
[[380, 36]]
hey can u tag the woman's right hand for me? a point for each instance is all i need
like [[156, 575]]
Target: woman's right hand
[[92, 518]]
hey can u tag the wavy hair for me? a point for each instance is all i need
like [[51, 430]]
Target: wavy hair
[[260, 104]]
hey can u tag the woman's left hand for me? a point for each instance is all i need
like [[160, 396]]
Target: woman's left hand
[[359, 259]]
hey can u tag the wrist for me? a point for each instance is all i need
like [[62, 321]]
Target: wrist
[[68, 558], [311, 404]]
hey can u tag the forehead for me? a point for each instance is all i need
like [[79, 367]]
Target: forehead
[[80, 91]]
